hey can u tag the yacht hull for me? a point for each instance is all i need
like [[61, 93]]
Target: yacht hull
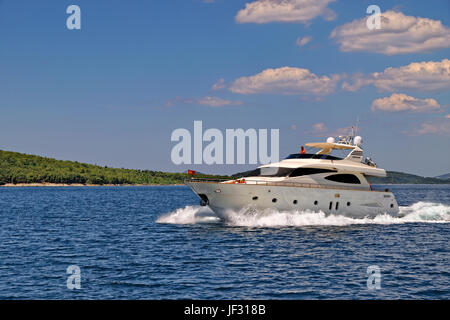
[[222, 198]]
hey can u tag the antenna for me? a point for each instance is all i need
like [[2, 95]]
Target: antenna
[[357, 124]]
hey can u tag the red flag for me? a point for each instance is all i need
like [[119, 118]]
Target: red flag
[[192, 172]]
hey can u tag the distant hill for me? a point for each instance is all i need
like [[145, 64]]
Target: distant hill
[[392, 177], [21, 168], [444, 176]]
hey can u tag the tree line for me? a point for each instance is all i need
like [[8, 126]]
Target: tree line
[[22, 168]]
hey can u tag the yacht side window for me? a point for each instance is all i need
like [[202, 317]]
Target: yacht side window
[[344, 178]]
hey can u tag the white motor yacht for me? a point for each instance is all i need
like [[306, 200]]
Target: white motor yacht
[[313, 182]]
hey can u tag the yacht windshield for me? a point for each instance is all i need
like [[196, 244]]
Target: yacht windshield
[[312, 156], [270, 172], [309, 171]]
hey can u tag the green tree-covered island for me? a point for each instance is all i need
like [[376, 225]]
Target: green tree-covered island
[[19, 168]]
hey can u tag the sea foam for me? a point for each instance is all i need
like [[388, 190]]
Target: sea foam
[[422, 212]]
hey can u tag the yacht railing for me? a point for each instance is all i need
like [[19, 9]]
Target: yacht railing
[[281, 184]]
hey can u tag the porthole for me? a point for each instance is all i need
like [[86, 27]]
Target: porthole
[[348, 204], [274, 200], [392, 205], [255, 198], [295, 201], [316, 203]]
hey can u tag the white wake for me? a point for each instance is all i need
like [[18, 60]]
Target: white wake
[[425, 212], [189, 215]]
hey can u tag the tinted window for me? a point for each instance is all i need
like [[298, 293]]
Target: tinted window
[[344, 178], [307, 171], [254, 173], [270, 172], [312, 156]]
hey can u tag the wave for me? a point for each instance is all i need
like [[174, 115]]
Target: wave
[[422, 212], [189, 215]]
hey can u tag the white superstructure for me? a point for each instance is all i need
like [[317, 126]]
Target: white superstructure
[[305, 182]]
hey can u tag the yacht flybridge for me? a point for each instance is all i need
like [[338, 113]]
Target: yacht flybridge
[[317, 182]]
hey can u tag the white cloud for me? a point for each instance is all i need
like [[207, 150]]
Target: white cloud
[[399, 34], [286, 80], [440, 128], [176, 100], [319, 128], [220, 84], [303, 41], [206, 101], [401, 102], [419, 76], [217, 102], [293, 11], [340, 132]]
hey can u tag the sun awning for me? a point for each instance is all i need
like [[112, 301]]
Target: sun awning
[[327, 147]]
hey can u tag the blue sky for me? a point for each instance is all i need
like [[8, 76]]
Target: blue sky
[[112, 92]]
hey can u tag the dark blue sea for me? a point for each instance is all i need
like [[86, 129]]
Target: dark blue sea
[[157, 243]]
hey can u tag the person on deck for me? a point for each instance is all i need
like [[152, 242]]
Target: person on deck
[[302, 150]]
